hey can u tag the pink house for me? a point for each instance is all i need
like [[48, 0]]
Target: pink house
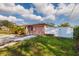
[[36, 29]]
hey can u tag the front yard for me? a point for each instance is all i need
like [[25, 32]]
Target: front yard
[[45, 45]]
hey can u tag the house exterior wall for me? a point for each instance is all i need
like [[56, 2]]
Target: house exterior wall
[[26, 30], [38, 30], [64, 32], [60, 31], [35, 29]]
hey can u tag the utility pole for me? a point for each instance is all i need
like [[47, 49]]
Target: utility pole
[[76, 33]]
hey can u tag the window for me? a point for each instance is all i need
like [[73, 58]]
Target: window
[[30, 28]]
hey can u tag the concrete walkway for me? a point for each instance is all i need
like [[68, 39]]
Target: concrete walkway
[[23, 38], [8, 41]]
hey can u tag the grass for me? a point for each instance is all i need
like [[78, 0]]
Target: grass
[[45, 45]]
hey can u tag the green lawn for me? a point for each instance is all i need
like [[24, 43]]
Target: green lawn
[[41, 46]]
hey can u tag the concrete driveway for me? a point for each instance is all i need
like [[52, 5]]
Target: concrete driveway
[[5, 39]]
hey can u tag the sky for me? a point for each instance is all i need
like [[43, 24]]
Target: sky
[[32, 13]]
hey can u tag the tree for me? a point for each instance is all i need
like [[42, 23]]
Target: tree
[[65, 25], [76, 37], [14, 29], [51, 25], [19, 30], [6, 23]]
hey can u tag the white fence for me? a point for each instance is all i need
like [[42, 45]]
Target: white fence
[[60, 31]]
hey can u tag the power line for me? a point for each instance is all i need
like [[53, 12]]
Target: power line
[[72, 11]]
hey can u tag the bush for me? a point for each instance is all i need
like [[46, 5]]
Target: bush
[[76, 32], [19, 30], [76, 37]]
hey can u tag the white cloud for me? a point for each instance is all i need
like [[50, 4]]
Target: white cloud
[[44, 8], [12, 8], [47, 9], [62, 9], [11, 18], [75, 14], [33, 17], [65, 9], [50, 17], [40, 18], [70, 10], [21, 10]]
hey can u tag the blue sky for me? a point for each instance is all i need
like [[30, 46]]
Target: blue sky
[[30, 13]]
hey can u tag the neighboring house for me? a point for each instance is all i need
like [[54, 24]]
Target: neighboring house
[[36, 29]]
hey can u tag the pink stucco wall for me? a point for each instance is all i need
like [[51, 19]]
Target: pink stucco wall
[[36, 29]]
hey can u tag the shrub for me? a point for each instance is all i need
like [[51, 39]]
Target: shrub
[[76, 37], [19, 30]]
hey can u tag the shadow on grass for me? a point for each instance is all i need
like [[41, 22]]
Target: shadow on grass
[[14, 52]]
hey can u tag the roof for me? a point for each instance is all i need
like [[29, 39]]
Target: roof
[[34, 24]]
